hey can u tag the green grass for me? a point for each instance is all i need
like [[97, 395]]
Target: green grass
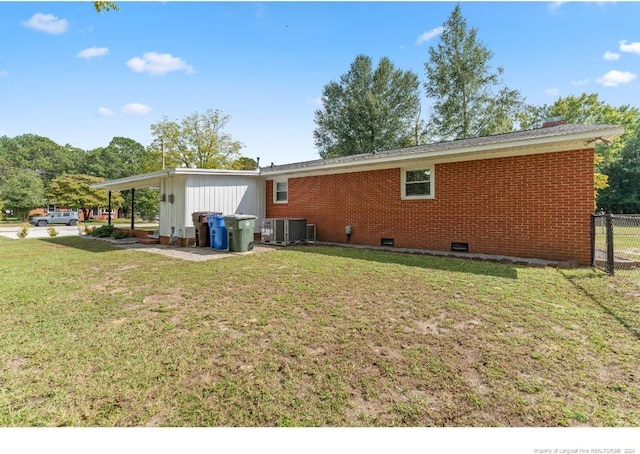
[[92, 335]]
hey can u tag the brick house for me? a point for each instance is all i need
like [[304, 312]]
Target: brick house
[[522, 194]]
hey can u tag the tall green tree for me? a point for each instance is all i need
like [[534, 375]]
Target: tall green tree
[[41, 155], [367, 110], [123, 157], [74, 191], [196, 141], [467, 95], [623, 192], [21, 191], [589, 109]]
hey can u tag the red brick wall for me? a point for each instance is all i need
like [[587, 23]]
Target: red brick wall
[[527, 206]]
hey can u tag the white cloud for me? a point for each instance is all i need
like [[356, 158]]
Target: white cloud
[[136, 109], [155, 64], [633, 48], [426, 36], [552, 91], [47, 23], [92, 52], [555, 6], [580, 82], [614, 78], [104, 112], [3, 73], [611, 56]]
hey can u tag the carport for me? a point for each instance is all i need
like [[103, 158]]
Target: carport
[[185, 191]]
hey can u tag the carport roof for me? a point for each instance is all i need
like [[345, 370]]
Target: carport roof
[[152, 180]]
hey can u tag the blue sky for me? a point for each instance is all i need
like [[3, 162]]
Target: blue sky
[[79, 77]]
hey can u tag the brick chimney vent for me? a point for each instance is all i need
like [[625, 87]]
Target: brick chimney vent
[[553, 121]]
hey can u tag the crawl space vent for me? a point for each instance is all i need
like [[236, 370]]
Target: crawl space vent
[[460, 247]]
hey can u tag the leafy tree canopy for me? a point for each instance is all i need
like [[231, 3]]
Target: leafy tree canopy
[[105, 6], [588, 109], [623, 193], [41, 155], [245, 163], [468, 99], [22, 191], [367, 110], [196, 141], [74, 191], [123, 157]]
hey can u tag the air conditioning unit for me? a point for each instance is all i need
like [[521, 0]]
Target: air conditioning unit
[[284, 230]]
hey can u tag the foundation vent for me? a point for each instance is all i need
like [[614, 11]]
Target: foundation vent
[[460, 247]]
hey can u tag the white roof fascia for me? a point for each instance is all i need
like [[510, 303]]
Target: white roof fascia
[[377, 162], [147, 180]]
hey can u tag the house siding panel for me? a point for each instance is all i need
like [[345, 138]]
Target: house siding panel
[[227, 195], [536, 205]]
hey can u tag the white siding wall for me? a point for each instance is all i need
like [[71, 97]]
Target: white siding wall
[[171, 214], [228, 194]]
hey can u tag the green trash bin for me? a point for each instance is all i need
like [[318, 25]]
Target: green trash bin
[[240, 231]]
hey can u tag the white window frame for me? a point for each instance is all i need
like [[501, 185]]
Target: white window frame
[[403, 182], [275, 191]]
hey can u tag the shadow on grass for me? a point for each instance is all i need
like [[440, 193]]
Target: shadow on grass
[[458, 265], [606, 302], [84, 244]]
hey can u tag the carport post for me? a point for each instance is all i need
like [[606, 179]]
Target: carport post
[[109, 208], [133, 208]]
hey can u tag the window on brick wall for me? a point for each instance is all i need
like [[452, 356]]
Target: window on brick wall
[[417, 183], [280, 191]]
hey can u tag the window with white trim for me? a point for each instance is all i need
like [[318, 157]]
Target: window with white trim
[[417, 183], [280, 191]]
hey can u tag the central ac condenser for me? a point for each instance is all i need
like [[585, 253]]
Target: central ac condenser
[[284, 230]]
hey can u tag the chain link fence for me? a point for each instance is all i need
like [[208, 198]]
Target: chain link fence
[[616, 244]]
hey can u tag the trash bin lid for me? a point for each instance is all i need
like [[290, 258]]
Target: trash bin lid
[[241, 217]]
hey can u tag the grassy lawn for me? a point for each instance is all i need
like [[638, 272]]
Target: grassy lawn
[[92, 335]]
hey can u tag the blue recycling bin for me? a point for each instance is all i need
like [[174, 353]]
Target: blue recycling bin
[[218, 231], [215, 220]]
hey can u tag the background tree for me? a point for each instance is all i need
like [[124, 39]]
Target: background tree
[[623, 192], [588, 109], [41, 155], [123, 157], [21, 191], [468, 100], [245, 163], [197, 141], [105, 6], [367, 110], [73, 191], [146, 202]]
